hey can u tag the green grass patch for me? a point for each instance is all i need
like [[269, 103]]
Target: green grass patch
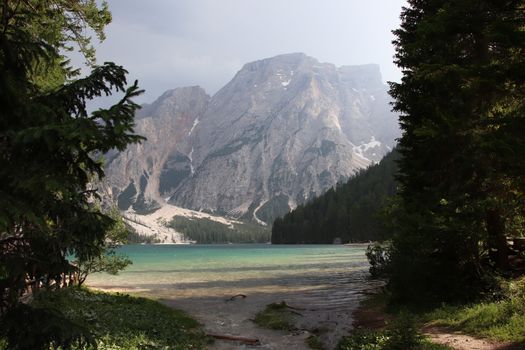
[[363, 340], [502, 320], [401, 332], [387, 340], [276, 316], [382, 340], [313, 342], [120, 321], [499, 320]]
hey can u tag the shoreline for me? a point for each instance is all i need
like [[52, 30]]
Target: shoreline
[[219, 315], [224, 315], [326, 283]]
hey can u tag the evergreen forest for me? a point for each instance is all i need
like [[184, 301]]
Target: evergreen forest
[[206, 231], [351, 212]]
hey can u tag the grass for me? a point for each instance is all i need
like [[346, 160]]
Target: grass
[[502, 320], [398, 331], [279, 316], [397, 337], [314, 343], [120, 321], [276, 316], [401, 335]]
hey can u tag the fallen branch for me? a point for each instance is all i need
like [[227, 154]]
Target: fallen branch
[[235, 297], [249, 341], [293, 307]]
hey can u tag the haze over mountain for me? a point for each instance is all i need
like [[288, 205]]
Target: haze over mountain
[[283, 130]]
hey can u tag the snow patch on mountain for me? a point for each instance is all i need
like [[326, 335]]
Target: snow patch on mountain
[[195, 123], [365, 149]]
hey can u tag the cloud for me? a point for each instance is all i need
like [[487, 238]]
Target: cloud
[[166, 43]]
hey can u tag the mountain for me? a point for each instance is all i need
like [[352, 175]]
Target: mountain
[[347, 213], [138, 176], [283, 130]]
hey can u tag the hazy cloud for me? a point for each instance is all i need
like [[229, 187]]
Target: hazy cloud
[[170, 43]]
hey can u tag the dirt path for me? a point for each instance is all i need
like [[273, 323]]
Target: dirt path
[[459, 341], [373, 317]]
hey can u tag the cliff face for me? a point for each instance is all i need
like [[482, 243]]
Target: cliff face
[[283, 130], [140, 175]]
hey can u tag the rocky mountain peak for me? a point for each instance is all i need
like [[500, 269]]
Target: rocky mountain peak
[[282, 130], [172, 102]]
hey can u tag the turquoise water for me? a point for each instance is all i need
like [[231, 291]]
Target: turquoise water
[[205, 270]]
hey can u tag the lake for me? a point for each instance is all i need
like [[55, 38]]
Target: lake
[[179, 270]]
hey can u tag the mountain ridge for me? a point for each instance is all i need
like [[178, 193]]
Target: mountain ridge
[[284, 129]]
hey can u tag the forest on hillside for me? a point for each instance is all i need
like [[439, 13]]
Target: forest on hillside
[[351, 212], [206, 231]]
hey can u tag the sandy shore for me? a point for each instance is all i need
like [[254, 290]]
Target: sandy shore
[[328, 314]]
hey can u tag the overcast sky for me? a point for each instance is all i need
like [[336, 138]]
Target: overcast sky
[[171, 43]]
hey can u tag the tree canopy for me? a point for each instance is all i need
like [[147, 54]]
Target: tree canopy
[[65, 25], [50, 154], [461, 100]]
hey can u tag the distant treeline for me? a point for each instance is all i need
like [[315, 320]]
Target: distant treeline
[[136, 238], [206, 231], [350, 212]]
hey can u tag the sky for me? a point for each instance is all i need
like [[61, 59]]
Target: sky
[[171, 43]]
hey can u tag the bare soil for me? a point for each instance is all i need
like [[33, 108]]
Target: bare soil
[[460, 341]]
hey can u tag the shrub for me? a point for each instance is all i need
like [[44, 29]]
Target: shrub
[[378, 255]]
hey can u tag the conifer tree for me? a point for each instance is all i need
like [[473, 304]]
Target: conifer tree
[[462, 111], [50, 154]]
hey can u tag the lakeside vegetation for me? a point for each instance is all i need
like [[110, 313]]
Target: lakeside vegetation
[[206, 231], [276, 316], [502, 319], [110, 322], [400, 335], [462, 182]]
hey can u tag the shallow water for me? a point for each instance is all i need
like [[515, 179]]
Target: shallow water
[[325, 282]]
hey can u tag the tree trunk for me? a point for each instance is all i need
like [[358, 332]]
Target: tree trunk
[[499, 251]]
